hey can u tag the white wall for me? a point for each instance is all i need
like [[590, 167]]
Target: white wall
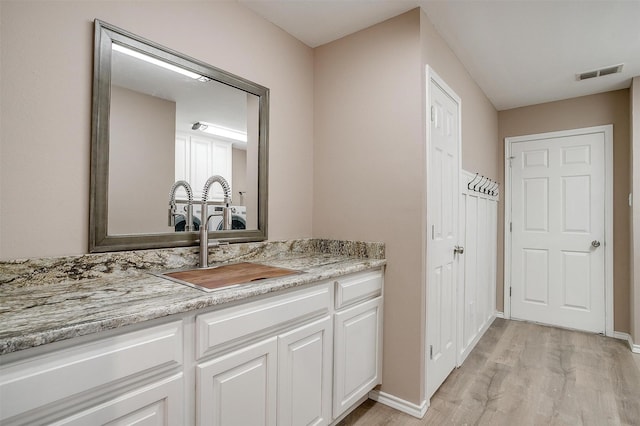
[[46, 59]]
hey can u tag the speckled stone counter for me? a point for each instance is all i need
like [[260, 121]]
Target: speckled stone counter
[[52, 299]]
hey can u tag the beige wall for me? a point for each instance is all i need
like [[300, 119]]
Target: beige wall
[[239, 178], [46, 61], [142, 152], [635, 212], [587, 111], [369, 157], [480, 150], [368, 177]]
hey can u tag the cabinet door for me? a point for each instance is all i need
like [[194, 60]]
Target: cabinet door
[[304, 374], [239, 388], [357, 367], [157, 404]]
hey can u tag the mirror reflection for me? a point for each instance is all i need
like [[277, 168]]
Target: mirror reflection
[[168, 124], [177, 146]]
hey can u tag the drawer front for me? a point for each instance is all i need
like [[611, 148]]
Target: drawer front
[[51, 377], [358, 287], [160, 403], [241, 322]]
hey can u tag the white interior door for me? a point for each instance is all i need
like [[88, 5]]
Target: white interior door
[[442, 221], [558, 230]]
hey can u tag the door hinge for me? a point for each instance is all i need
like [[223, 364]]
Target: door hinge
[[510, 161], [433, 112], [510, 291], [430, 351], [433, 232], [510, 226]]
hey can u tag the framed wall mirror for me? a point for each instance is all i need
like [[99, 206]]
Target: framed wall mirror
[[161, 118]]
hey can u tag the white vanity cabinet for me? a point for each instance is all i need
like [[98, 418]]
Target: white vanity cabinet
[[114, 380], [302, 356], [358, 338], [266, 362]]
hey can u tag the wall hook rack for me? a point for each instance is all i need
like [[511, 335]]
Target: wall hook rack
[[484, 185]]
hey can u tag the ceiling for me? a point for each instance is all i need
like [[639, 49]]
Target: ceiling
[[520, 52]]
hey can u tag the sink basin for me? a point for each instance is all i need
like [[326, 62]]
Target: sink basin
[[226, 276]]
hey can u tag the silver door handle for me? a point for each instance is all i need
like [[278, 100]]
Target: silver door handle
[[458, 250], [595, 243]]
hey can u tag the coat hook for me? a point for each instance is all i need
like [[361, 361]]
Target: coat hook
[[474, 186], [492, 190], [471, 181], [487, 186]]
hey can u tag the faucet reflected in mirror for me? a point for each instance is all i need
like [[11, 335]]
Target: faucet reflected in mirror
[[173, 209]]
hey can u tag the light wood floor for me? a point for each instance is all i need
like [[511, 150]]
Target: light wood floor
[[527, 374]]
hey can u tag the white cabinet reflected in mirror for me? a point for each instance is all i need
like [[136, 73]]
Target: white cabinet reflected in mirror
[[159, 118]]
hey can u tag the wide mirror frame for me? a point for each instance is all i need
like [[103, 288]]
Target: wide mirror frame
[[99, 239]]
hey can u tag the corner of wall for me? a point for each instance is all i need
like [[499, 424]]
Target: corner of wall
[[634, 211]]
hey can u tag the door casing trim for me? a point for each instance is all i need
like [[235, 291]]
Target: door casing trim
[[607, 130]]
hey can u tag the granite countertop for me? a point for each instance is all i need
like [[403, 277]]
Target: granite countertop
[[53, 299]]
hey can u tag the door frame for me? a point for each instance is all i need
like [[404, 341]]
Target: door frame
[[431, 75], [607, 130]]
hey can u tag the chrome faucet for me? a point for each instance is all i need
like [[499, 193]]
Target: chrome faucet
[[204, 217], [173, 211]]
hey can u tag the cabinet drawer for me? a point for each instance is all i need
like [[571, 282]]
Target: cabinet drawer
[[45, 379], [244, 321], [358, 287], [159, 403]]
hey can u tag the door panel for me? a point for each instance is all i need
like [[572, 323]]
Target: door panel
[[557, 211], [443, 195], [357, 367], [304, 374], [238, 388]]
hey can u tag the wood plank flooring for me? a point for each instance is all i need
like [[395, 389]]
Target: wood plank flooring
[[527, 374]]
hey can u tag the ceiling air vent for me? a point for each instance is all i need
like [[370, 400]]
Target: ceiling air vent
[[599, 73]]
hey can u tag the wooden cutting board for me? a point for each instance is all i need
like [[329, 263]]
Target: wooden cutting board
[[223, 276]]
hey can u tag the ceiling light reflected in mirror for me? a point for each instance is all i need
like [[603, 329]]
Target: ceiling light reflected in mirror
[[158, 62], [221, 131]]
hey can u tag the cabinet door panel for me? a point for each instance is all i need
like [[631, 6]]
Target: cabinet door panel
[[238, 388], [357, 352], [304, 375]]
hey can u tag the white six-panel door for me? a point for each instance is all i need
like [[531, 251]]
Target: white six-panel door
[[442, 234], [558, 230]]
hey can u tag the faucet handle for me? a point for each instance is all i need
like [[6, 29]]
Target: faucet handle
[[172, 216], [217, 243]]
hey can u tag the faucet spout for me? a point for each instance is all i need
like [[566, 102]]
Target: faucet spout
[[204, 216], [173, 207]]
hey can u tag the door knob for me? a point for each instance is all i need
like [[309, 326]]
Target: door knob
[[595, 243], [458, 250]]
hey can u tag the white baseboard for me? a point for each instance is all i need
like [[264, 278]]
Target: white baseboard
[[626, 336], [400, 404], [500, 314]]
